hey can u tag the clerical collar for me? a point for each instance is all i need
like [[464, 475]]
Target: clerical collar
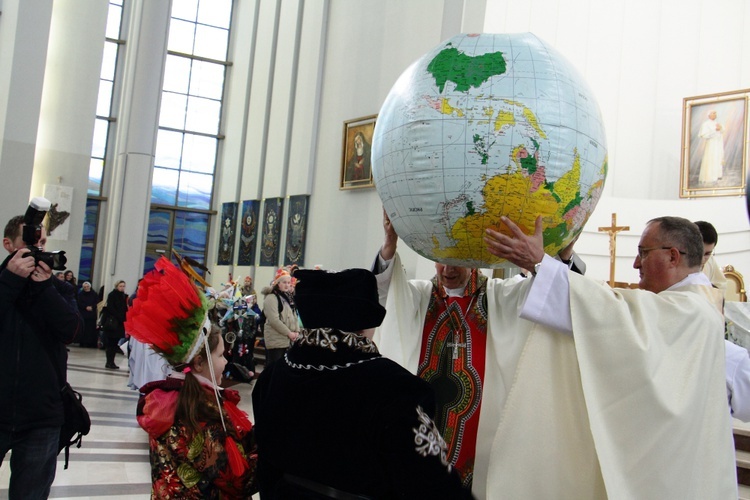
[[692, 279], [476, 280], [454, 292]]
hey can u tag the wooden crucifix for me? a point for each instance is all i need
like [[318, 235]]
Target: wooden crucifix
[[613, 230]]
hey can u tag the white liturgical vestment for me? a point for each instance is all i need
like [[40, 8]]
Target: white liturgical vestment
[[632, 405], [712, 163]]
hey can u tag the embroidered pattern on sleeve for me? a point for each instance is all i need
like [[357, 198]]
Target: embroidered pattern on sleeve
[[428, 439]]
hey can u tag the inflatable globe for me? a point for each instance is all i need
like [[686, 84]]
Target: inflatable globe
[[483, 126]]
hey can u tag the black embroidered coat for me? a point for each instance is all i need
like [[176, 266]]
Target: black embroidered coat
[[336, 413]]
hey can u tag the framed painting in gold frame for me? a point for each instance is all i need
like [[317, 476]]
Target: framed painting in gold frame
[[714, 144], [356, 166]]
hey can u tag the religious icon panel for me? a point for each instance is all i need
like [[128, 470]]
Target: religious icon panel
[[296, 231], [269, 250], [248, 232], [227, 233]]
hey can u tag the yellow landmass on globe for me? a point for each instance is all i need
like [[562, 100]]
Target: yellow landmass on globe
[[504, 118], [529, 115], [566, 188], [515, 196], [447, 109], [516, 154]]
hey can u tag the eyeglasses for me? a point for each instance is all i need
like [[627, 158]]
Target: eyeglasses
[[643, 252]]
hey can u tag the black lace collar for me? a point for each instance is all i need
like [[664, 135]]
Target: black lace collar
[[328, 349]]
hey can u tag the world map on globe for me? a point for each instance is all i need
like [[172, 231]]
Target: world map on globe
[[482, 126]]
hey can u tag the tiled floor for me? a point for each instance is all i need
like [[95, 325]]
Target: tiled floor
[[113, 461]]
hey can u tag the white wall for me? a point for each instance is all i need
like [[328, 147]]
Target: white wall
[[369, 44], [312, 67], [300, 69], [642, 58]]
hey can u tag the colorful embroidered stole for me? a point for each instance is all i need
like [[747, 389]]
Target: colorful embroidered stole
[[452, 361]]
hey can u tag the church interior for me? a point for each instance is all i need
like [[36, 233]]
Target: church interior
[[193, 126]]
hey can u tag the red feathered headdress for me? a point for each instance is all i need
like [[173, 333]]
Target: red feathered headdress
[[169, 314]]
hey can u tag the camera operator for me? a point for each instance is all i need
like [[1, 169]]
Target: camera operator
[[38, 317]]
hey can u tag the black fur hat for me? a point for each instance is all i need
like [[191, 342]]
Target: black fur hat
[[346, 300]]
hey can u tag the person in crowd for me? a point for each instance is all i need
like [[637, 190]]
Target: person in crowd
[[617, 380], [445, 341], [144, 364], [70, 278], [247, 287], [334, 378], [87, 301], [291, 269], [737, 361], [709, 265], [113, 323], [201, 444], [737, 369], [280, 311], [39, 317], [60, 275]]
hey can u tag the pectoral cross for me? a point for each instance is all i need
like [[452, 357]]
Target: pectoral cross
[[456, 345], [613, 230]]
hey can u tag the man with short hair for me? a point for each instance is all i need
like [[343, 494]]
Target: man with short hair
[[626, 387], [709, 265], [38, 316], [737, 366]]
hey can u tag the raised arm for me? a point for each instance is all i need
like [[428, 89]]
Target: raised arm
[[390, 240], [548, 301], [381, 267]]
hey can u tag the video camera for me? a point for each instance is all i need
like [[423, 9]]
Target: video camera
[[32, 233]]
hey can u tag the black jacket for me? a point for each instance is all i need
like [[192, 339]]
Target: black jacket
[[37, 319], [335, 412], [88, 299], [117, 307]]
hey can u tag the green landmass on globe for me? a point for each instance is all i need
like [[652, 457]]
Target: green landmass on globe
[[465, 71], [486, 126]]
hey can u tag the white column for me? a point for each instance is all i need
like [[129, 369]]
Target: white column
[[126, 220], [68, 111], [23, 54]]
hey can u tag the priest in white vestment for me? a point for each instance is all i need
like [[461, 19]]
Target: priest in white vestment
[[443, 325], [712, 163], [710, 267], [592, 392]]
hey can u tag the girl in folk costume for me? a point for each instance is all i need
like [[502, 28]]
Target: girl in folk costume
[[202, 445]]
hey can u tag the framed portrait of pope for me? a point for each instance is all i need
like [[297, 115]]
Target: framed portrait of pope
[[714, 144]]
